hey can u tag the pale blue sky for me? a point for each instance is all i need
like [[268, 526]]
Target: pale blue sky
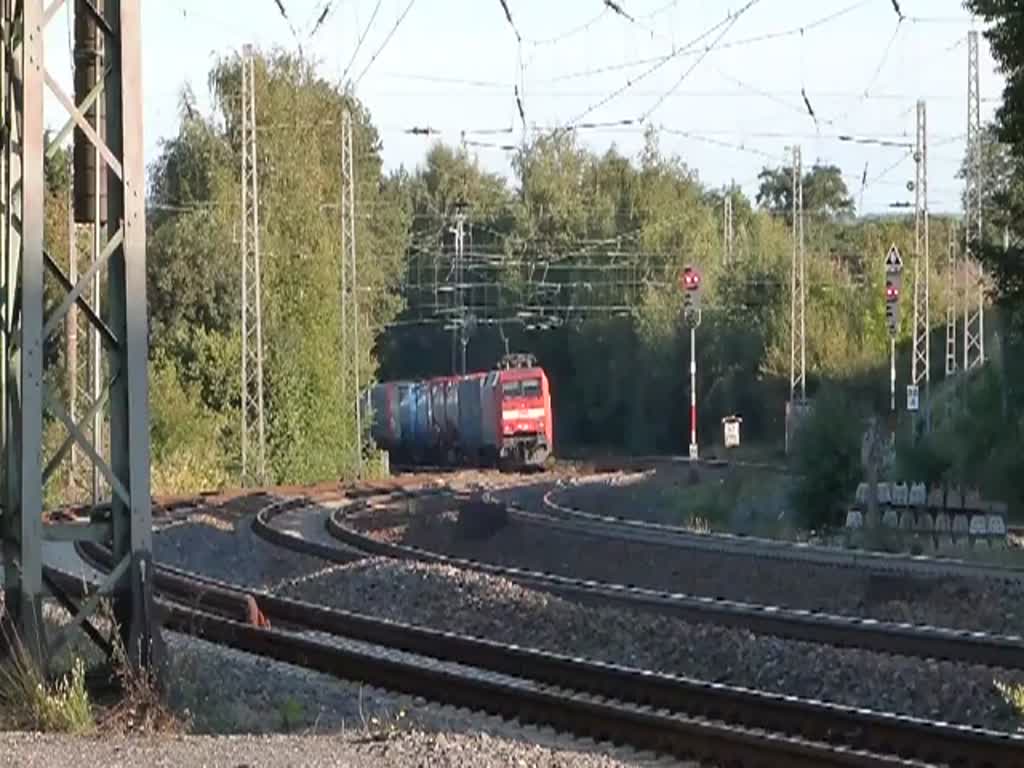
[[451, 65]]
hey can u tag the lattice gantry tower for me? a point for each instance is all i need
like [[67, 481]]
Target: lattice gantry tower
[[105, 114], [254, 458], [974, 295], [920, 367], [797, 294]]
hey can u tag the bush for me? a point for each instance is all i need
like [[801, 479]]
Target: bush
[[827, 457], [185, 434]]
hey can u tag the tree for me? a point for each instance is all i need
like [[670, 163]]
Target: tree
[[195, 263], [825, 192]]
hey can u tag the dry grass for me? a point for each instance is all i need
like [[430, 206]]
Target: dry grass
[[1013, 693], [141, 707], [29, 702]]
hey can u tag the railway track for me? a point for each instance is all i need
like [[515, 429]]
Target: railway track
[[919, 641], [560, 516], [672, 715]]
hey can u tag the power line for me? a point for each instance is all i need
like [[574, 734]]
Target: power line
[[569, 32], [651, 70], [689, 50], [322, 17], [398, 23], [875, 75], [508, 15], [733, 18], [359, 41]]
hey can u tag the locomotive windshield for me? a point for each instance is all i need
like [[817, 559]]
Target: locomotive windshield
[[521, 388]]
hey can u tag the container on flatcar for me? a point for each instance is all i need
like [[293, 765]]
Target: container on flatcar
[[383, 407], [470, 432], [406, 415], [422, 436]]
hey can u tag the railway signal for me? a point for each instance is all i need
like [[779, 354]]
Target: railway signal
[[689, 281], [893, 288], [892, 303]]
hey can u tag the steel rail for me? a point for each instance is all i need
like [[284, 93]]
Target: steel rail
[[524, 700], [744, 710], [913, 640], [566, 518]]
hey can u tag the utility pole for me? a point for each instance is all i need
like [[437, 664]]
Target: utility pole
[[351, 281], [797, 326], [727, 229], [253, 423], [920, 366], [974, 297]]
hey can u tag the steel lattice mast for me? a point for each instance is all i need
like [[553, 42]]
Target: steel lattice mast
[[974, 297], [105, 115], [253, 422], [951, 309], [921, 358], [727, 229], [350, 280], [797, 334]]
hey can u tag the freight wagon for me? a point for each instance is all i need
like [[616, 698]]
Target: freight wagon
[[500, 417]]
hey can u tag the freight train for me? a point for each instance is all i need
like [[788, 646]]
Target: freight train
[[500, 417]]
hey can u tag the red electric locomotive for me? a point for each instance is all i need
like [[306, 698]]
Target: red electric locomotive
[[499, 417]]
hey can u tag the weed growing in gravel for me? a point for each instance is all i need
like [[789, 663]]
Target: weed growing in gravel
[[1013, 693], [380, 727], [292, 714], [141, 707], [28, 701]]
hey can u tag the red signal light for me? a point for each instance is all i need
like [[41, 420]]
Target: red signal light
[[892, 293], [690, 279]]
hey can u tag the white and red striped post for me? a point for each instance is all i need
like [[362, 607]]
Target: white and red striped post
[[693, 393]]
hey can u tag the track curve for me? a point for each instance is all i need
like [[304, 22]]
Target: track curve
[[561, 516], [820, 628], [649, 711]]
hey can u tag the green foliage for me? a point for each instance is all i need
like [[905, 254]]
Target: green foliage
[[185, 435], [292, 714], [825, 192], [195, 272], [827, 458]]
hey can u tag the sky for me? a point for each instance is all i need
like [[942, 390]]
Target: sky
[[723, 81]]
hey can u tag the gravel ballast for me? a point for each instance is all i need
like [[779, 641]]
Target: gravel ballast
[[224, 547], [965, 603], [412, 749], [475, 604], [224, 691]]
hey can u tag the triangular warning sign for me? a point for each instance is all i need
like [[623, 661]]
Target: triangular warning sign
[[893, 260]]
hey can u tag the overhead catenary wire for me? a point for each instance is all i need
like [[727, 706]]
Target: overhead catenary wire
[[571, 32], [321, 18], [731, 21], [360, 39], [659, 63], [508, 15], [383, 45], [693, 49]]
